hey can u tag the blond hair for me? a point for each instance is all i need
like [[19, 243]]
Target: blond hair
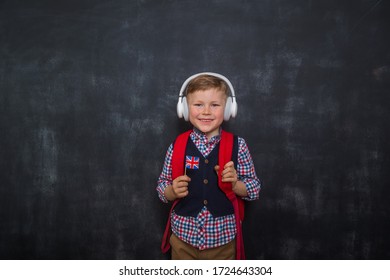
[[205, 82]]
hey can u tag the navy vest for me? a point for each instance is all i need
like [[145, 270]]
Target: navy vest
[[203, 188]]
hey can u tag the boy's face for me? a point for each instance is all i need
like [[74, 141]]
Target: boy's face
[[206, 109]]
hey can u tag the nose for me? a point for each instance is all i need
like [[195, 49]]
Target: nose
[[206, 110]]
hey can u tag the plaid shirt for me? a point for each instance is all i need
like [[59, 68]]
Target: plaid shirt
[[206, 231]]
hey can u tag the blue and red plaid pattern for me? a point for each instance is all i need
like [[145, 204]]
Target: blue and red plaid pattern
[[206, 231]]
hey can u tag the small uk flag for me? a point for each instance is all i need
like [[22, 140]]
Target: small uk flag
[[192, 162]]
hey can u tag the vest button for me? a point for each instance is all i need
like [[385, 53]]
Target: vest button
[[205, 202], [205, 181], [206, 161]]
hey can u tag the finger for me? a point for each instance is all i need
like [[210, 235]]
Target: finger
[[178, 190], [229, 177], [229, 164], [182, 190], [183, 178], [186, 178], [229, 170], [229, 180], [230, 174], [183, 194], [182, 184]]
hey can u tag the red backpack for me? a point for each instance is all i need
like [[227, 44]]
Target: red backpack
[[224, 156]]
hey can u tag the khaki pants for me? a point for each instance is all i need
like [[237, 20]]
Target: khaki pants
[[183, 251]]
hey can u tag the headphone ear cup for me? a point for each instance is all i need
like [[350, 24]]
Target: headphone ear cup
[[228, 107], [233, 108], [179, 107], [185, 108]]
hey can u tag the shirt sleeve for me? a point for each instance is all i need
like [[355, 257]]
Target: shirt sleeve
[[165, 178], [246, 171]]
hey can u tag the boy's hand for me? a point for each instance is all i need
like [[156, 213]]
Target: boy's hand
[[180, 186], [229, 173]]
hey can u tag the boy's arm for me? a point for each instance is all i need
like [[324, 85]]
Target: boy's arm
[[240, 189], [246, 173], [165, 178]]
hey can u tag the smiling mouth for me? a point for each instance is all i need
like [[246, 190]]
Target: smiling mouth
[[206, 120]]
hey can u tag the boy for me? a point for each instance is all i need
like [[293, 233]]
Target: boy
[[204, 219]]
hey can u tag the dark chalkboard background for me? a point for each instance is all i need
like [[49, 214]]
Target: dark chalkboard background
[[88, 93]]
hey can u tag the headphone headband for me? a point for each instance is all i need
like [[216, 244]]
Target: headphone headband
[[226, 80]]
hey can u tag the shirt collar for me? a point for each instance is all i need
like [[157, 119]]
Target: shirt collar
[[199, 135]]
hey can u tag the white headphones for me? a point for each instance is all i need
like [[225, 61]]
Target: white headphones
[[231, 104]]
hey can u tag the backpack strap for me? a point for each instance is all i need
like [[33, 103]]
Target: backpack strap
[[178, 155], [225, 155]]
